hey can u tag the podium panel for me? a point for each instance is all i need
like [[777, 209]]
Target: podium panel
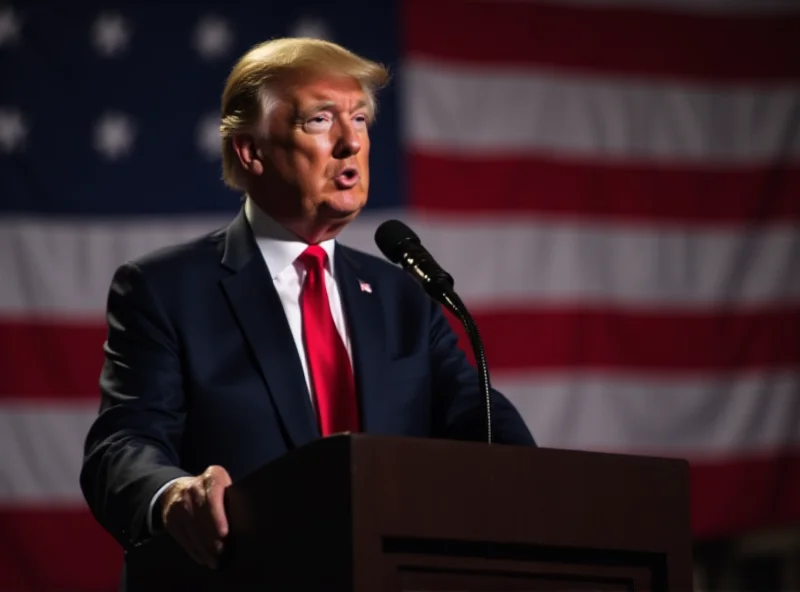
[[366, 513]]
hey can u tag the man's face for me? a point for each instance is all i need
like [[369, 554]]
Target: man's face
[[316, 152]]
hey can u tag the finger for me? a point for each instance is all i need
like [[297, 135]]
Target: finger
[[191, 525], [179, 527], [202, 526], [215, 497], [192, 544]]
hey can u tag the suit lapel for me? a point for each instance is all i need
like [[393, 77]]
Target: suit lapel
[[365, 319], [258, 308]]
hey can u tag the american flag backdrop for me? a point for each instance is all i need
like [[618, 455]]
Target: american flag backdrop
[[614, 185]]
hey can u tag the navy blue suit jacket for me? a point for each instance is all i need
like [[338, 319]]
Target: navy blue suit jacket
[[201, 369]]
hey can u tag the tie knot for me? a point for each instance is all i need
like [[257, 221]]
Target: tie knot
[[314, 257]]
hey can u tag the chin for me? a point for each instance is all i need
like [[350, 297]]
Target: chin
[[337, 215], [344, 206]]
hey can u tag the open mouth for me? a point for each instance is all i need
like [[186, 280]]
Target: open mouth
[[347, 178]]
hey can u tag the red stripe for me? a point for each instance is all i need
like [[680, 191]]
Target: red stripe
[[624, 40], [47, 359], [604, 339], [64, 361], [46, 549], [593, 190], [737, 497]]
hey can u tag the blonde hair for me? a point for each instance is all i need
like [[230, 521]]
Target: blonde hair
[[246, 99]]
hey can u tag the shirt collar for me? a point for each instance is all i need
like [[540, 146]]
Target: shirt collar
[[279, 246]]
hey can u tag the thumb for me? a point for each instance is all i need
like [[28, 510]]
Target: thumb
[[216, 479]]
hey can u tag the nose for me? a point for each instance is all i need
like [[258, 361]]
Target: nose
[[348, 143]]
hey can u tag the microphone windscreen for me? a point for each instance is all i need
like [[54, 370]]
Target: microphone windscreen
[[390, 237]]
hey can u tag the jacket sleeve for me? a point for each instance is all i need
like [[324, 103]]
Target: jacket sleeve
[[460, 406], [132, 447]]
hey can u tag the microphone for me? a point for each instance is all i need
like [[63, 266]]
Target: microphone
[[400, 245]]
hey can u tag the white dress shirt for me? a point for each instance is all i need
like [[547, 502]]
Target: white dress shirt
[[280, 250]]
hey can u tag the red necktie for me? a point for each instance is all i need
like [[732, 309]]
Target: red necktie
[[329, 364]]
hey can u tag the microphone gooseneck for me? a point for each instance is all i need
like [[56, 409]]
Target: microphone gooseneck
[[400, 245]]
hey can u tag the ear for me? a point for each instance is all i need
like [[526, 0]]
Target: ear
[[250, 156]]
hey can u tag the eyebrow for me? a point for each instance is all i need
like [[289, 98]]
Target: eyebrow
[[317, 107]]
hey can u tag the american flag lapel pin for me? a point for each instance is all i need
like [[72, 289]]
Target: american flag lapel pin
[[365, 287]]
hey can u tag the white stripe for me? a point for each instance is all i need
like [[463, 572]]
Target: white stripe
[[42, 448], [63, 269], [703, 419], [56, 267], [489, 110], [699, 418], [499, 261]]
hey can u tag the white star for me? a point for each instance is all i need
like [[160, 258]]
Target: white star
[[114, 134], [212, 37], [13, 130], [208, 136], [111, 34], [311, 27], [10, 26]]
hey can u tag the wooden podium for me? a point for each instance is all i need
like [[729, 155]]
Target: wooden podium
[[372, 513]]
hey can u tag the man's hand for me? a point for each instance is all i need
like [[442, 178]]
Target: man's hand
[[194, 514]]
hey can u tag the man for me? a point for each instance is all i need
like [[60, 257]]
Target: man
[[226, 352]]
